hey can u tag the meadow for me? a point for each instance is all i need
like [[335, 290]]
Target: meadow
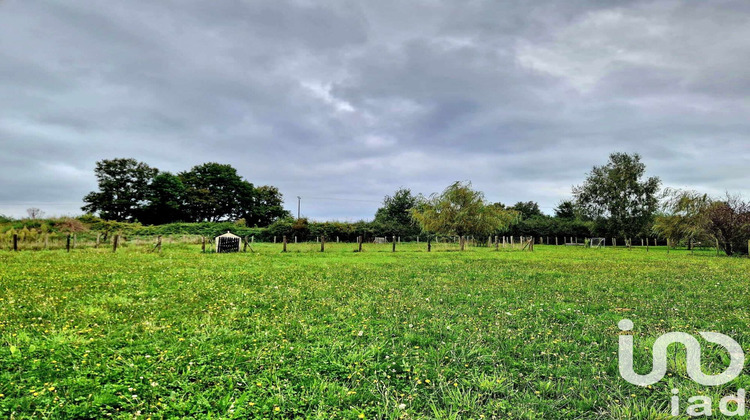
[[304, 334]]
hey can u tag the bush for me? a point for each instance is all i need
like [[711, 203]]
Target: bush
[[544, 226], [209, 229], [729, 223], [308, 231]]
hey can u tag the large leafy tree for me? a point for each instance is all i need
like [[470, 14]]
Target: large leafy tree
[[460, 210], [215, 192], [729, 224], [527, 209], [165, 200], [395, 214], [123, 189], [683, 217], [618, 196], [265, 207], [130, 190], [566, 210]]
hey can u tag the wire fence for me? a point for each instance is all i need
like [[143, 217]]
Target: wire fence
[[71, 242]]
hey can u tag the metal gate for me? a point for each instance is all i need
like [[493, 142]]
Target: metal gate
[[228, 245]]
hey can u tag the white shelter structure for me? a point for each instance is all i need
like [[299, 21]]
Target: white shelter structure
[[228, 242]]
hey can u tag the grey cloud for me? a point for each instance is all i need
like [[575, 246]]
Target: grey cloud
[[351, 100]]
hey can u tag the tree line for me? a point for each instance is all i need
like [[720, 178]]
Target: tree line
[[132, 191], [615, 200]]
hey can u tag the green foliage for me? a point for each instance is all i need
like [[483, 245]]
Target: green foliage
[[459, 210], [684, 217], [527, 209], [208, 229], [566, 210], [123, 187], [215, 192], [166, 200], [108, 227], [546, 226], [616, 195], [132, 191], [266, 208], [395, 216], [305, 230]]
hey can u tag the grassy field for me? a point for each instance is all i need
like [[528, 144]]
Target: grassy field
[[478, 334]]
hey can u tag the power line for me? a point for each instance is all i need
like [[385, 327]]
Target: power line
[[341, 199]]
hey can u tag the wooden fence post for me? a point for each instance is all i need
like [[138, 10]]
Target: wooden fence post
[[557, 242], [394, 243], [115, 242], [295, 239], [203, 244], [322, 243], [67, 244], [429, 244], [274, 239], [98, 239], [244, 245], [284, 241], [360, 239], [15, 242]]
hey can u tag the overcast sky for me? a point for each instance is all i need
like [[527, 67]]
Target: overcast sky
[[343, 102]]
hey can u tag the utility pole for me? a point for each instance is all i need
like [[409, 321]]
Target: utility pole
[[299, 199]]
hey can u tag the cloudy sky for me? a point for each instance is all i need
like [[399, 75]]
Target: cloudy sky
[[342, 102]]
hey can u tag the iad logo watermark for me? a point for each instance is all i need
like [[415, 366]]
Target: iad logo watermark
[[693, 361], [701, 405]]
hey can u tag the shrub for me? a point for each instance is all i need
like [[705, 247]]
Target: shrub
[[729, 223]]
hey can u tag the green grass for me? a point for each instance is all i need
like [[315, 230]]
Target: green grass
[[478, 334]]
